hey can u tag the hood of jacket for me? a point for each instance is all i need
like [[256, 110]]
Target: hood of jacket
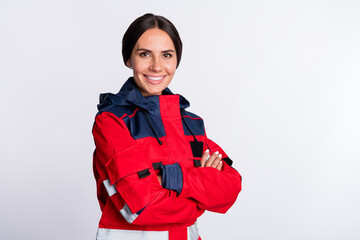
[[130, 96]]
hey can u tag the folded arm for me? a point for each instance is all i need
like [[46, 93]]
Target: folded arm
[[130, 180]]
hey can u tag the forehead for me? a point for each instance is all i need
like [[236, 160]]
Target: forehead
[[155, 39]]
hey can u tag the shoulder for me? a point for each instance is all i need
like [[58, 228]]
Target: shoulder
[[191, 115], [194, 122], [118, 111]]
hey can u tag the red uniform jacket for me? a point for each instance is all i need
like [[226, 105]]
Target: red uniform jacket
[[139, 137]]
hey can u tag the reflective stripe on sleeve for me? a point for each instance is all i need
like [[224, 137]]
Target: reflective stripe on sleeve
[[125, 211], [109, 188], [193, 232], [127, 214]]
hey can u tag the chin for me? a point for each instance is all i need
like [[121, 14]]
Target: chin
[[151, 92], [154, 92]]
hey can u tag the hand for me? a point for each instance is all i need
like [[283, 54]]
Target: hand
[[213, 161], [160, 179]]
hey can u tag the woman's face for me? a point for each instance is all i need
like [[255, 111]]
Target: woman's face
[[153, 61]]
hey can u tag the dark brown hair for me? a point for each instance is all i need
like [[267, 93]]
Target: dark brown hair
[[146, 22]]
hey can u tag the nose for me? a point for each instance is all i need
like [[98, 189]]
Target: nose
[[155, 65]]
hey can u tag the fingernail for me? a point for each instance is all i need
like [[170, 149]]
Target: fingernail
[[220, 155], [207, 150], [220, 162], [217, 152]]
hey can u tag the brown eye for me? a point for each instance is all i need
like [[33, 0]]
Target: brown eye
[[144, 54], [167, 55]]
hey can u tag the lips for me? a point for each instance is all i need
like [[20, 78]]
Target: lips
[[154, 79]]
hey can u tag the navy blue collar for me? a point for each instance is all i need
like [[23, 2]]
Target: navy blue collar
[[129, 95]]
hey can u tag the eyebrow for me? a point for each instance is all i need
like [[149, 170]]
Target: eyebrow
[[147, 50]]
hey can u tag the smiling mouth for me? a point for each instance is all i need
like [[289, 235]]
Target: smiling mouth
[[154, 78]]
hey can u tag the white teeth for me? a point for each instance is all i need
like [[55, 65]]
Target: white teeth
[[154, 78]]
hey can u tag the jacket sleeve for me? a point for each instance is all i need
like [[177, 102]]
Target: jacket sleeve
[[213, 190], [130, 180]]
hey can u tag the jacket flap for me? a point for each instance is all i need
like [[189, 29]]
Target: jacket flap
[[128, 161]]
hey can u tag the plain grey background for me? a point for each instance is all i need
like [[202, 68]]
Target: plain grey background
[[277, 82]]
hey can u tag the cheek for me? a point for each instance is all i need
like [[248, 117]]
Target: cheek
[[139, 64], [170, 67]]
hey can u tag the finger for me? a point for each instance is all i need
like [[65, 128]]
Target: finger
[[219, 166], [204, 157], [160, 179], [216, 161], [211, 159]]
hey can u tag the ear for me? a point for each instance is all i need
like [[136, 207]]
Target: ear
[[128, 63]]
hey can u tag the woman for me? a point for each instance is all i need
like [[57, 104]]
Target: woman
[[155, 168]]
